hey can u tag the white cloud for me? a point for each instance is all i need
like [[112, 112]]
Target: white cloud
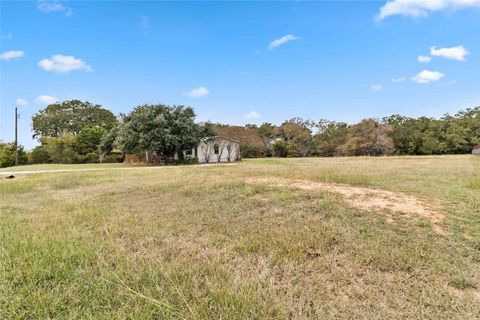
[[198, 92], [252, 115], [44, 100], [421, 8], [398, 80], [63, 64], [424, 59], [21, 102], [376, 87], [11, 55], [53, 6], [455, 53], [427, 76], [280, 41]]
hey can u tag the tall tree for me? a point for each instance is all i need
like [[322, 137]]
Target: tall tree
[[297, 133], [329, 136], [368, 138], [160, 130], [89, 139], [71, 116]]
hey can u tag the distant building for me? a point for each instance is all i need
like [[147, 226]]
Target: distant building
[[476, 150], [215, 149], [209, 150]]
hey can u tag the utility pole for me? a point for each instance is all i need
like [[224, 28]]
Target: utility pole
[[16, 136]]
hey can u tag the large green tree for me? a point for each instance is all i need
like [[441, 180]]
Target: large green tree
[[71, 116], [368, 138], [160, 130], [89, 139], [461, 132], [452, 134], [329, 136], [297, 134], [64, 149]]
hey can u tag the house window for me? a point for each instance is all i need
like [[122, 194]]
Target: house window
[[229, 148], [216, 149], [188, 152]]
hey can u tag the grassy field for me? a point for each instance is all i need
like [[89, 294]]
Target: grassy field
[[242, 241]]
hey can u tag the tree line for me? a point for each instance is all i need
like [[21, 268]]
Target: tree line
[[77, 131], [393, 135]]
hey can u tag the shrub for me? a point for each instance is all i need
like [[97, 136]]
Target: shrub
[[38, 155], [191, 160], [91, 157], [62, 149], [7, 155], [280, 148], [116, 157]]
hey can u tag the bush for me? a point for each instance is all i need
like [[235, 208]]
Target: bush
[[62, 149], [280, 148], [191, 160], [113, 158], [38, 155], [91, 157], [7, 155]]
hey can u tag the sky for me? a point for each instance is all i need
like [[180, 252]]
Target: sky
[[241, 62]]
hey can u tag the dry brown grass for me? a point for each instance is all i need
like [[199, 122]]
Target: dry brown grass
[[369, 199], [205, 242]]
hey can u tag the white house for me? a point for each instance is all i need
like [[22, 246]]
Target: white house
[[215, 149], [476, 150]]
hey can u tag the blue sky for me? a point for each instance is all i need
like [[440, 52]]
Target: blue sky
[[241, 62]]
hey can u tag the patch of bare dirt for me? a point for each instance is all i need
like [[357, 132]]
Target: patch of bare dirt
[[465, 293], [368, 199]]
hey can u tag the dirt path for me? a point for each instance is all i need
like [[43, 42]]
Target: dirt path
[[7, 173], [369, 199]]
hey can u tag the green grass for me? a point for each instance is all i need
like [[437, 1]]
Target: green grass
[[199, 242], [41, 167]]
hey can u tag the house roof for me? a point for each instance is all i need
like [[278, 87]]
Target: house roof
[[226, 138], [476, 147]]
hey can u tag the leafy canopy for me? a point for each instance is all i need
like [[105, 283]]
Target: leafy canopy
[[161, 130], [71, 116]]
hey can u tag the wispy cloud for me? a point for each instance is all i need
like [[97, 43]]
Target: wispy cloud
[[252, 115], [144, 21], [7, 55], [427, 76], [64, 64], [198, 92], [45, 100], [399, 80], [280, 41], [424, 59], [376, 87], [421, 8], [456, 53], [21, 102], [6, 36], [54, 6]]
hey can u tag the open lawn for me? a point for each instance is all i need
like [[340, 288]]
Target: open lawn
[[395, 237]]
